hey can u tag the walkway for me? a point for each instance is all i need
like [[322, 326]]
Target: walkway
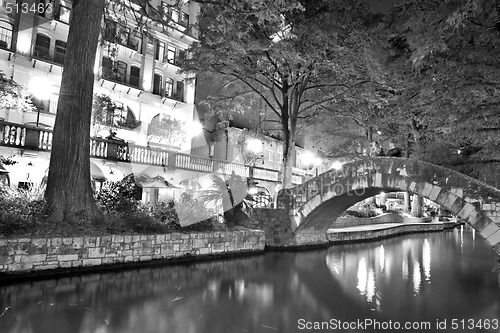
[[383, 230]]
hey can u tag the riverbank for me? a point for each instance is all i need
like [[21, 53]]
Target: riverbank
[[21, 258]]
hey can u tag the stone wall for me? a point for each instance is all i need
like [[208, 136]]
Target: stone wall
[[29, 255], [277, 225], [492, 210]]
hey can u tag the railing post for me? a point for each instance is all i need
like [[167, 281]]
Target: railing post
[[172, 157]]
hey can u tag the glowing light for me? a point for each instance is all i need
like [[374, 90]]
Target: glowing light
[[336, 166], [316, 161], [253, 191], [426, 259], [254, 145], [362, 276], [40, 87], [382, 258], [194, 129], [24, 44], [417, 278]]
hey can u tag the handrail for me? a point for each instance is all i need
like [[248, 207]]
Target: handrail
[[35, 138]]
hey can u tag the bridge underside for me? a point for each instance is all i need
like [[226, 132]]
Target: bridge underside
[[330, 210]]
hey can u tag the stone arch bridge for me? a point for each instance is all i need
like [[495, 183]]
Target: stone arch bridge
[[316, 204]]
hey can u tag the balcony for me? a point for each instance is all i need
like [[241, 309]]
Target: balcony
[[43, 54], [33, 138]]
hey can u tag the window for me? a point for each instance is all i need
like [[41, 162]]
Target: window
[[134, 41], [160, 51], [174, 14], [64, 14], [116, 116], [5, 35], [42, 47], [169, 87], [171, 54], [107, 68], [116, 71], [182, 55], [157, 84], [135, 74], [179, 94], [121, 71], [60, 52], [184, 19]]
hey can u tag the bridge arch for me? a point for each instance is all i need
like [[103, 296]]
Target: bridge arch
[[316, 204]]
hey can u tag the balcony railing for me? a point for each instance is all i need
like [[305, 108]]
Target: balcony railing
[[33, 138]]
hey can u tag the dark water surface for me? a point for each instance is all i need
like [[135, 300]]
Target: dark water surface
[[441, 282]]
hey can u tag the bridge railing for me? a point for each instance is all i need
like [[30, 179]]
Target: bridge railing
[[38, 139]]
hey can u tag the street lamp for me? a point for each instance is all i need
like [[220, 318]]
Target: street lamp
[[42, 89], [336, 166], [194, 129], [311, 160]]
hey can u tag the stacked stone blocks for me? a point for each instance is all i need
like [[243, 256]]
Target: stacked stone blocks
[[26, 255]]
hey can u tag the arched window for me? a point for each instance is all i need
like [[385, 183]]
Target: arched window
[[135, 74], [5, 35], [42, 47], [190, 185], [157, 84], [169, 87]]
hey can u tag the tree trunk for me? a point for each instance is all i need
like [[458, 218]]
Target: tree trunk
[[416, 206], [69, 190], [288, 164]]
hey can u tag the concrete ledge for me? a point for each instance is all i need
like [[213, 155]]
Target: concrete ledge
[[363, 233], [350, 221]]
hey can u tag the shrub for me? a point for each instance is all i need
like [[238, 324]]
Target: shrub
[[21, 210], [118, 197]]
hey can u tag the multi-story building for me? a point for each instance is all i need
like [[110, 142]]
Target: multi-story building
[[137, 71]]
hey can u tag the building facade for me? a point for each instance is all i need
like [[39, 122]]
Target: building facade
[[147, 99]]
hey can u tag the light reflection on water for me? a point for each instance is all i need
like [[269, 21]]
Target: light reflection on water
[[421, 277]]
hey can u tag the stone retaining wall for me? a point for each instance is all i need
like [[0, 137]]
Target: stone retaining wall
[[29, 255]]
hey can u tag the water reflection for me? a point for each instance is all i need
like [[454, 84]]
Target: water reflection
[[416, 277]]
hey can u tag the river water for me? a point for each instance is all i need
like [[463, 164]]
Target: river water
[[434, 282]]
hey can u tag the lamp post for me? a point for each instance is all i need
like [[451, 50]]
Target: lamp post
[[41, 88]]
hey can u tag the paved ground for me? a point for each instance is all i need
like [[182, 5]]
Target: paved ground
[[381, 226]]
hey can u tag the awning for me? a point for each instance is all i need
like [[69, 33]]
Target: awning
[[96, 172], [155, 182]]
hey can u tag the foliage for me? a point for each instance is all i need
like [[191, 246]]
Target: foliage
[[104, 113], [442, 60], [294, 57], [170, 130], [20, 210], [13, 96], [7, 160], [119, 197]]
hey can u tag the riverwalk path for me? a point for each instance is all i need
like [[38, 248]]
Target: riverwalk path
[[383, 230]]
